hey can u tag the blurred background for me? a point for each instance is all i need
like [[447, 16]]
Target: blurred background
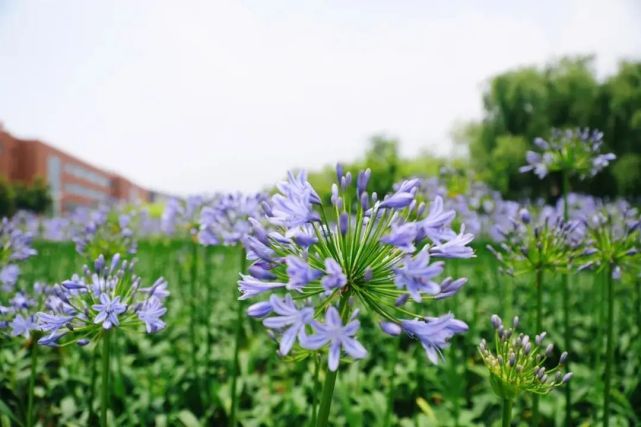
[[142, 100]]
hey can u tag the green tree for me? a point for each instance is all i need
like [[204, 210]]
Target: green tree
[[383, 159], [627, 172], [531, 101]]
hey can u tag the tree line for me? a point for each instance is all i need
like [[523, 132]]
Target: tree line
[[19, 196]]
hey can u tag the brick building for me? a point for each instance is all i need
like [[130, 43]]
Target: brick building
[[72, 181]]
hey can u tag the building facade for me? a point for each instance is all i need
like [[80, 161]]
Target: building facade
[[73, 182]]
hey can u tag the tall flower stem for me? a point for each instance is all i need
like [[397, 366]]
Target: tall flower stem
[[316, 391], [104, 395], [390, 391], [209, 284], [539, 327], [236, 362], [565, 287], [507, 413], [330, 376], [609, 346], [92, 384], [192, 314], [32, 380]]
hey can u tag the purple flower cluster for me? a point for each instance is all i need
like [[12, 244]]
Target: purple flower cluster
[[15, 246], [320, 262], [105, 232], [107, 296], [181, 217], [17, 313], [226, 220], [573, 151]]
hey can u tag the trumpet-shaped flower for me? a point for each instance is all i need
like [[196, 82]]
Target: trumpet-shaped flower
[[337, 335], [355, 251]]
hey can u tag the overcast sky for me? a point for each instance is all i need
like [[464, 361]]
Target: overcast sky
[[189, 96]]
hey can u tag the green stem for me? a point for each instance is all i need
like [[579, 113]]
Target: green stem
[[236, 362], [390, 391], [565, 286], [209, 284], [32, 380], [92, 388], [316, 389], [609, 345], [507, 413], [104, 396], [539, 328], [330, 377], [192, 313]]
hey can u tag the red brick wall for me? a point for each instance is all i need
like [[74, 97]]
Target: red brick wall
[[80, 183]]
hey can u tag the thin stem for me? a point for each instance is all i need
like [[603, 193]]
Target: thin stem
[[330, 377], [92, 387], [390, 391], [507, 413], [32, 380], [539, 328], [104, 396], [565, 286], [316, 389], [206, 314], [192, 314], [609, 348], [236, 362]]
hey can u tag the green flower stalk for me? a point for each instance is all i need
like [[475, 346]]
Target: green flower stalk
[[549, 244], [571, 153], [321, 263], [517, 365], [93, 307], [613, 246]]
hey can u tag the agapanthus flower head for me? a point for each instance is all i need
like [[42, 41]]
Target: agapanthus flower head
[[532, 241], [107, 296], [324, 261], [105, 232], [518, 364], [15, 244], [181, 217], [18, 308], [572, 151], [226, 219], [613, 239]]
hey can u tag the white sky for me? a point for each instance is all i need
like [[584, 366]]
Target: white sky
[[189, 96]]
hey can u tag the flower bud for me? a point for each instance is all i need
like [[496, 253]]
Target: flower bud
[[496, 321], [563, 357], [390, 328], [259, 309]]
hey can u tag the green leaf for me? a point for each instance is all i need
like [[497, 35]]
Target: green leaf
[[4, 410], [188, 419]]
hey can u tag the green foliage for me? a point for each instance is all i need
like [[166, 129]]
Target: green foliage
[[152, 384], [35, 198], [387, 166], [7, 199], [14, 197], [383, 159], [627, 172], [505, 158], [530, 101]]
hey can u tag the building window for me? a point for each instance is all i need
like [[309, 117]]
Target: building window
[[81, 190], [87, 175]]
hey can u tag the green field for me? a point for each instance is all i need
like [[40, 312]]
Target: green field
[[159, 380]]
